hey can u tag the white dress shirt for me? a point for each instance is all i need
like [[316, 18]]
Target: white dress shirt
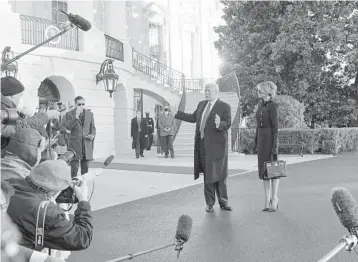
[[212, 103]]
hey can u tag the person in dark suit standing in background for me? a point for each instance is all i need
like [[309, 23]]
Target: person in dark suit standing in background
[[80, 122], [266, 140], [139, 134], [213, 119], [150, 125]]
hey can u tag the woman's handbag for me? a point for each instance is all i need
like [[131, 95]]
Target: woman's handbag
[[275, 169]]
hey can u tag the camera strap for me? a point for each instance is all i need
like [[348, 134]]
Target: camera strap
[[40, 225]]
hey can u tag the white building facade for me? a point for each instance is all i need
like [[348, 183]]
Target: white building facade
[[154, 45]]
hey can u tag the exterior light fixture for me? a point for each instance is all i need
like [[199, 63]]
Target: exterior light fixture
[[10, 69], [108, 76]]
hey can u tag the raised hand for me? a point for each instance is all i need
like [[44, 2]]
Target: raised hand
[[217, 120]]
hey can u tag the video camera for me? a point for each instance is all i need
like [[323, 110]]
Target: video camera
[[68, 195], [9, 116]]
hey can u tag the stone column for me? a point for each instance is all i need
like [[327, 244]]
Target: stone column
[[123, 113]]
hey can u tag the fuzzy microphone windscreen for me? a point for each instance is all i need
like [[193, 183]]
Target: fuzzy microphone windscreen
[[346, 207], [185, 224], [109, 160]]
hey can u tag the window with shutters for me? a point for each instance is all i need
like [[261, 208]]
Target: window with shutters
[[114, 48]]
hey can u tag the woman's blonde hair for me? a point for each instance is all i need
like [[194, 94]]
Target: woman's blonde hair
[[267, 87]]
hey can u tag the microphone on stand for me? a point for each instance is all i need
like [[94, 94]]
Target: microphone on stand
[[347, 211], [182, 235]]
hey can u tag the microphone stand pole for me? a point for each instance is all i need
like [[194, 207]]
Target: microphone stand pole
[[345, 242], [178, 247], [64, 30]]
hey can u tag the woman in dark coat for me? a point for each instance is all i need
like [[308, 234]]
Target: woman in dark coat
[[266, 140]]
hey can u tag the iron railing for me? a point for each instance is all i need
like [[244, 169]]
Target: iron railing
[[114, 48], [197, 85], [158, 71], [33, 33]]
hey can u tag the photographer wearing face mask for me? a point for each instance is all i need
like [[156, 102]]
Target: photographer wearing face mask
[[12, 98], [45, 183], [23, 152]]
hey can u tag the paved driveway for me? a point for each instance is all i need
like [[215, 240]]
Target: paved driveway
[[304, 229]]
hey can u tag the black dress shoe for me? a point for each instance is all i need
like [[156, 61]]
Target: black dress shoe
[[142, 155], [209, 208], [226, 207]]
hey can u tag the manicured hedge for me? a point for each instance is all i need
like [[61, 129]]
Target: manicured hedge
[[323, 140]]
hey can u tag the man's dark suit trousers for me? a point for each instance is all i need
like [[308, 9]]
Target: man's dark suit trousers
[[209, 189]]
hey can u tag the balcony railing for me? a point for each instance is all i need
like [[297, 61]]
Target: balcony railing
[[114, 48], [33, 33], [197, 85], [158, 71]]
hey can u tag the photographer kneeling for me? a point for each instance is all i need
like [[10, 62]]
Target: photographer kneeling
[[45, 182]]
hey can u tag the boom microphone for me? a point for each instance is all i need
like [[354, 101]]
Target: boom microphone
[[182, 235], [78, 21], [183, 232], [346, 209]]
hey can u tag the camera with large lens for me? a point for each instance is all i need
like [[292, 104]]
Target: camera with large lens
[[68, 195], [9, 116]]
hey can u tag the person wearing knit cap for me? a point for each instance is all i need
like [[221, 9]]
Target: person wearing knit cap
[[22, 154], [11, 99], [45, 182], [10, 248]]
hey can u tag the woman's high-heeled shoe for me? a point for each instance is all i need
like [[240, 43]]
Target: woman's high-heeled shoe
[[274, 208], [267, 208]]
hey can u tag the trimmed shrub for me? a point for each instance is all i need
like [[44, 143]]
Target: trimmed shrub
[[323, 140], [290, 113]]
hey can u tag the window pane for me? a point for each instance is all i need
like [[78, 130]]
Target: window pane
[[62, 18]]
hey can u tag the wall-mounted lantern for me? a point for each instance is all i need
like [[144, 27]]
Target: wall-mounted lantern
[[10, 69], [109, 77]]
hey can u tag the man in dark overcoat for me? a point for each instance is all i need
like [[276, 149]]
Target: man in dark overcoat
[[80, 122], [139, 134], [150, 125], [213, 119]]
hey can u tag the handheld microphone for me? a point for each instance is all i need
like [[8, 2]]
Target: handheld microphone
[[182, 235], [346, 209], [67, 195], [78, 21], [91, 175]]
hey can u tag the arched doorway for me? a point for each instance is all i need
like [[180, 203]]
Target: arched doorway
[[58, 93], [56, 89]]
